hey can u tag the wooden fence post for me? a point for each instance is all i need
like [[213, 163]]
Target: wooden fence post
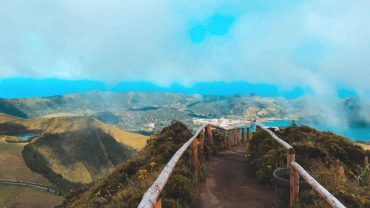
[[235, 137], [248, 134], [228, 138], [294, 179], [195, 153], [209, 134], [243, 135], [239, 136], [201, 138], [258, 129], [231, 132]]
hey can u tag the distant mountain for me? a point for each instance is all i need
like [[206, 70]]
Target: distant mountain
[[149, 111], [212, 88], [6, 106], [71, 151], [143, 111], [27, 87]]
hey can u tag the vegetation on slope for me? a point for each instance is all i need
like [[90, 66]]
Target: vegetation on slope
[[148, 111], [125, 186], [334, 161], [13, 167], [6, 106], [71, 151], [75, 157], [10, 125]]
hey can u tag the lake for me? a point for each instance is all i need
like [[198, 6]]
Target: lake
[[354, 133], [25, 136]]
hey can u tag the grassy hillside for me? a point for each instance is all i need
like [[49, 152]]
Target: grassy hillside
[[7, 107], [336, 162], [10, 125], [125, 186], [13, 166], [68, 151], [75, 157]]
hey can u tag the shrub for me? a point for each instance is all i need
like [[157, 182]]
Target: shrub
[[332, 160], [125, 186]]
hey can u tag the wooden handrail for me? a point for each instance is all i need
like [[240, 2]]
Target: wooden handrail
[[334, 202], [296, 170], [276, 138], [151, 196]]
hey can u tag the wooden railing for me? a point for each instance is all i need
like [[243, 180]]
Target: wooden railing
[[234, 136], [296, 170], [151, 196]]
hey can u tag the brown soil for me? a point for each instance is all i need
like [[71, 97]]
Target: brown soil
[[36, 200], [230, 184], [13, 167]]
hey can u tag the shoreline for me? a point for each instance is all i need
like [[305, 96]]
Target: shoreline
[[364, 146]]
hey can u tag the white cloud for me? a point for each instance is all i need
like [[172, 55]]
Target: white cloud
[[148, 40]]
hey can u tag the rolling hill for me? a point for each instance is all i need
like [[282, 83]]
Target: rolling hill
[[70, 151], [14, 167], [141, 111]]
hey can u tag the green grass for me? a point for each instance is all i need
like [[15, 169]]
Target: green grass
[[75, 158], [125, 186], [331, 159]]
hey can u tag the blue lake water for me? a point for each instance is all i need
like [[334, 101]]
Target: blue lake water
[[354, 133], [25, 136]]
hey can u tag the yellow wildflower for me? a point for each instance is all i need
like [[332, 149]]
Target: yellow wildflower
[[152, 164]]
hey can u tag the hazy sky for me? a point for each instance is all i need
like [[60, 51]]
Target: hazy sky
[[320, 44]]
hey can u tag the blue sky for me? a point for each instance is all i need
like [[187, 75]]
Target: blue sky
[[322, 47], [26, 88]]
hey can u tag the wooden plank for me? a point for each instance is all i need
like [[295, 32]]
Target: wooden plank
[[294, 181], [195, 152], [151, 195], [276, 138], [243, 135], [334, 202], [290, 157], [230, 132], [235, 137], [201, 140], [248, 134], [239, 135], [227, 135], [209, 133]]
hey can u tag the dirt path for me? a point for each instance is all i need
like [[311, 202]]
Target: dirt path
[[229, 185]]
